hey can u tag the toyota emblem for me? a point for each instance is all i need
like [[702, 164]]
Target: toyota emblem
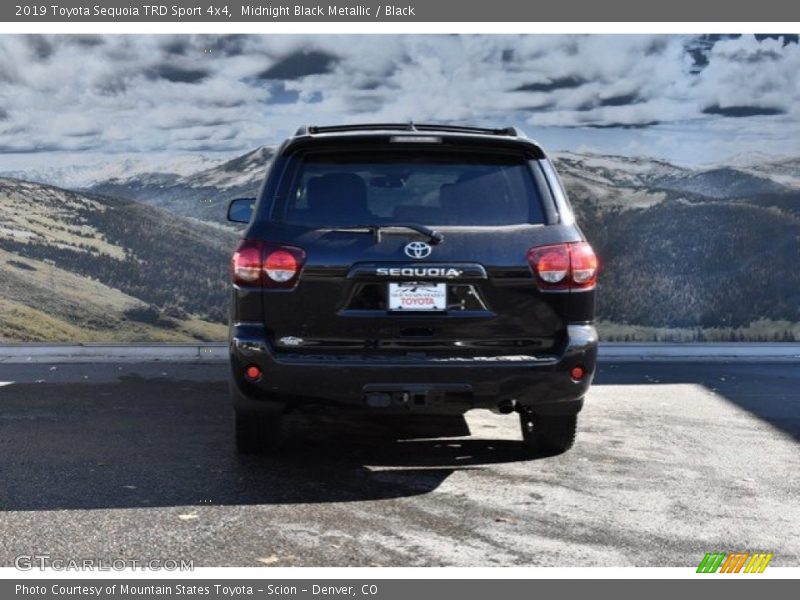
[[418, 250]]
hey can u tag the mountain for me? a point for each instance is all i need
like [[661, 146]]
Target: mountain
[[84, 170], [200, 195], [714, 181], [621, 181], [85, 267], [712, 247], [699, 264], [721, 182], [785, 171], [700, 250], [245, 172], [613, 181], [691, 254], [619, 171]]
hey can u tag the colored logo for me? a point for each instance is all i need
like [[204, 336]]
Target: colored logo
[[735, 562]]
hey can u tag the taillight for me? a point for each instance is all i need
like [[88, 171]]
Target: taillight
[[280, 266], [564, 266], [584, 265], [246, 263], [552, 265], [257, 263]]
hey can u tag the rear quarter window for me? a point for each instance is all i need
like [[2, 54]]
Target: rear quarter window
[[431, 188]]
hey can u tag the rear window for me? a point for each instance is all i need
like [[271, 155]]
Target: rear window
[[428, 188]]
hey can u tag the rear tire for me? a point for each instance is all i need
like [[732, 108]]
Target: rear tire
[[257, 434], [548, 434]]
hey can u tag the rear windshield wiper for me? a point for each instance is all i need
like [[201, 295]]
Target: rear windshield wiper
[[434, 237]]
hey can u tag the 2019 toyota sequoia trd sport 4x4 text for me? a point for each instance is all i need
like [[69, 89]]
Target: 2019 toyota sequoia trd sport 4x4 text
[[411, 269]]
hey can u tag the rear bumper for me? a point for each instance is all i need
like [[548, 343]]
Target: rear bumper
[[433, 385]]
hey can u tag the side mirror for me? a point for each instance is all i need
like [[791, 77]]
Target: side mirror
[[240, 210]]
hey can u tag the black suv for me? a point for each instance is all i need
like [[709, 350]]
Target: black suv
[[411, 269]]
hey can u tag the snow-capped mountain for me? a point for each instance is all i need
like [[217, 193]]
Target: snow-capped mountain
[[85, 170], [712, 181], [243, 172], [785, 171], [200, 187], [616, 170], [203, 194]]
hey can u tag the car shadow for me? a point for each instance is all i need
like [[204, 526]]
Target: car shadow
[[161, 442]]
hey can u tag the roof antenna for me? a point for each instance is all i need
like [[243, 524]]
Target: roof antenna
[[411, 126]]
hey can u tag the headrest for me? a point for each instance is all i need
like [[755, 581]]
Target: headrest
[[336, 198]]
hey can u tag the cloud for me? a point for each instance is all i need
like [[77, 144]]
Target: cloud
[[300, 64], [785, 38], [177, 74], [749, 73], [87, 41], [177, 45], [40, 46], [76, 125], [742, 111], [613, 125], [549, 86], [620, 100], [192, 93], [224, 45]]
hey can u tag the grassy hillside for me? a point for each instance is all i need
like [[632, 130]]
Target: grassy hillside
[[89, 268]]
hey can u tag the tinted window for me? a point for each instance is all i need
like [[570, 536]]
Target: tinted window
[[431, 188]]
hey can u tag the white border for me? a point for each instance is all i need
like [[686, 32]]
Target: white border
[[337, 27], [314, 28]]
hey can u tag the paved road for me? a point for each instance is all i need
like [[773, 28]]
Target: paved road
[[136, 461]]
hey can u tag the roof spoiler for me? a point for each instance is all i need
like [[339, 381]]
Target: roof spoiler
[[407, 127]]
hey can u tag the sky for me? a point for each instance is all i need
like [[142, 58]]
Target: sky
[[692, 100]]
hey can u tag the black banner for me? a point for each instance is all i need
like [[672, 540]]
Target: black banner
[[380, 589]]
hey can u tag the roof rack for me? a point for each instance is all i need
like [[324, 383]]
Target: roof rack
[[410, 127]]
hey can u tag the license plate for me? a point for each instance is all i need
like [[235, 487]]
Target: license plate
[[417, 296]]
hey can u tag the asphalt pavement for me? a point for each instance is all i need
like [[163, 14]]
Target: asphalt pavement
[[137, 461]]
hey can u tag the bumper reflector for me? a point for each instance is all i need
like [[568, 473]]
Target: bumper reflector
[[252, 373], [577, 372]]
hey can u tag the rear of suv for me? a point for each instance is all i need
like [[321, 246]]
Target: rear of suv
[[406, 269]]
